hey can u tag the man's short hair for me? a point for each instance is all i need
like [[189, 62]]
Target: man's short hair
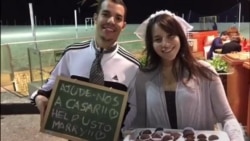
[[223, 33], [121, 2]]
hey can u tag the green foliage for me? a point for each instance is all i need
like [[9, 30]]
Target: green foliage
[[219, 64], [142, 60]]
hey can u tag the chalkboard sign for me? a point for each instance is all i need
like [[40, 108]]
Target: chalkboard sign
[[83, 111]]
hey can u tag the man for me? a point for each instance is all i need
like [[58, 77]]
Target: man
[[119, 67], [232, 46], [217, 44]]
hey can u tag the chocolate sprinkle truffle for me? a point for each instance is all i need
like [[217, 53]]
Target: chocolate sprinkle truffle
[[201, 136], [188, 133], [145, 136], [202, 139], [188, 139], [213, 137], [176, 135], [156, 135], [166, 138], [145, 132]]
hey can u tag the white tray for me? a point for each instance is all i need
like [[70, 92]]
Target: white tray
[[132, 134]]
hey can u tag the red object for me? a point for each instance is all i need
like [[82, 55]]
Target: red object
[[238, 87], [245, 45], [248, 118], [201, 37]]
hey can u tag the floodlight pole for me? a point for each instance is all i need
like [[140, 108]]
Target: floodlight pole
[[189, 15], [239, 16], [35, 21], [91, 21], [50, 21], [32, 24], [76, 23]]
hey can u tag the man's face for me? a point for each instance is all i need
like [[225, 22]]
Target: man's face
[[224, 37], [109, 21]]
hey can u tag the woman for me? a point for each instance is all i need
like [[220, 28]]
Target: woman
[[173, 89], [232, 46]]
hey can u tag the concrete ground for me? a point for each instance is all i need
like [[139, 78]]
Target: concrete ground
[[20, 121], [16, 126]]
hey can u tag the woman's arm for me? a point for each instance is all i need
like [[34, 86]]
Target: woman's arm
[[224, 112]]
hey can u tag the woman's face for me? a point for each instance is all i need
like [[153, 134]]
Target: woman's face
[[165, 45]]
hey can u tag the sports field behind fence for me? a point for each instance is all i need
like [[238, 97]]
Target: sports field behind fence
[[18, 44], [19, 39], [25, 59]]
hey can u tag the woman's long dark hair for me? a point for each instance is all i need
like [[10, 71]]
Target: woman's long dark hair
[[184, 60]]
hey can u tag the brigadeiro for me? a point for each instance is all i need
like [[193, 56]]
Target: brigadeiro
[[188, 132], [167, 132], [145, 132], [188, 139], [145, 136], [149, 140], [176, 135], [167, 138], [202, 139], [156, 135], [202, 136], [213, 137]]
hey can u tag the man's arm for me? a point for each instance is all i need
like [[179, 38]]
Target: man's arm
[[41, 96], [61, 69], [218, 43]]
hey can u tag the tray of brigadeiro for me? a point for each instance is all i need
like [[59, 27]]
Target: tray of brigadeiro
[[187, 134]]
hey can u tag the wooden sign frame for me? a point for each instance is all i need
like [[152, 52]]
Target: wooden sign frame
[[85, 84]]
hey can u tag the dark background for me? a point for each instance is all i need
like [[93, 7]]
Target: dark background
[[62, 11]]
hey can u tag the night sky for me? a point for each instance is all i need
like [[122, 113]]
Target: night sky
[[62, 11]]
